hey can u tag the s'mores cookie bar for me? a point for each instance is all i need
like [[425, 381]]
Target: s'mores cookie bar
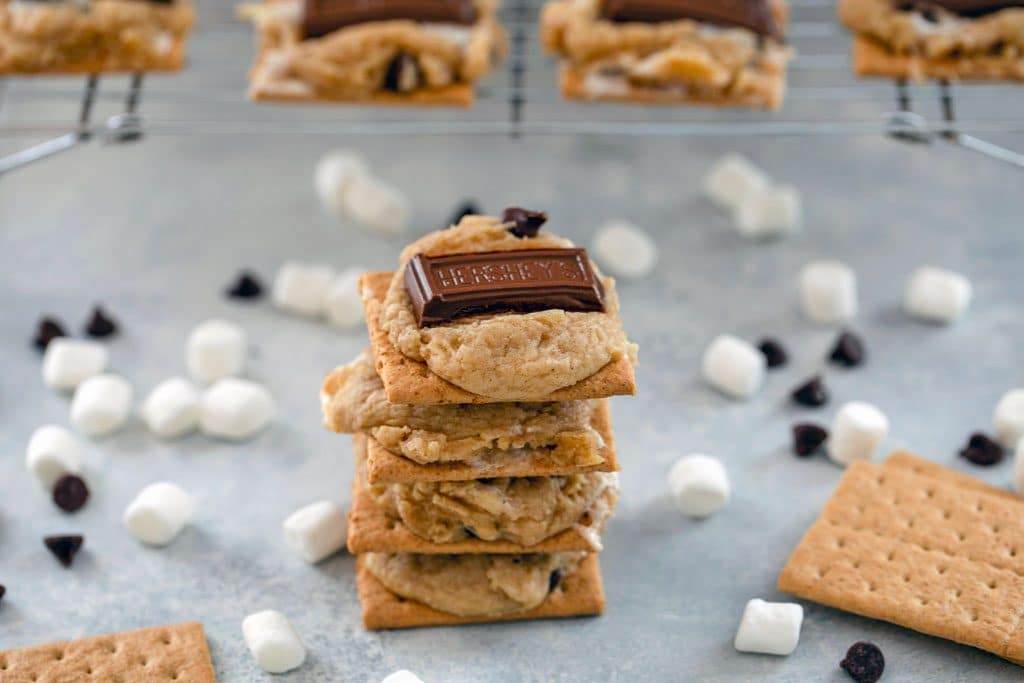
[[93, 36], [670, 51], [939, 39], [419, 52], [492, 311]]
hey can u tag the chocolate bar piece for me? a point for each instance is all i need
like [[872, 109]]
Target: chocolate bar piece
[[320, 17], [970, 8], [755, 15], [445, 288]]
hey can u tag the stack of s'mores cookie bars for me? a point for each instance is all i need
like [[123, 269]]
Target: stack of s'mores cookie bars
[[485, 463], [418, 52]]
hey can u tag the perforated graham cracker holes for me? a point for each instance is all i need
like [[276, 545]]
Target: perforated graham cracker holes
[[921, 547], [155, 655]]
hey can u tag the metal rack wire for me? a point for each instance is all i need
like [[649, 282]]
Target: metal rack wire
[[520, 99]]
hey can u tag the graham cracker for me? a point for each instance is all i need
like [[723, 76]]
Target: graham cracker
[[410, 381], [920, 551], [150, 655], [579, 594], [385, 467], [572, 84], [919, 465], [370, 530], [173, 61], [872, 59], [455, 95]]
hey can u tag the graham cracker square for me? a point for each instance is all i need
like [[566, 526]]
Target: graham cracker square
[[872, 59]]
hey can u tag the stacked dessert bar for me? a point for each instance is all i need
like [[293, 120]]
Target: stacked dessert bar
[[725, 53], [418, 52], [485, 464], [93, 36]]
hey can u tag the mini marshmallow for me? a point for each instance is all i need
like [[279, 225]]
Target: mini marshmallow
[[273, 642], [302, 288], [158, 513], [402, 676], [343, 303], [937, 295], [52, 452], [732, 180], [625, 250], [69, 362], [699, 485], [378, 205], [215, 349], [772, 212], [334, 175], [101, 404], [235, 409], [1008, 419], [316, 531], [828, 291], [771, 628], [1018, 467], [172, 408], [856, 431], [733, 366]]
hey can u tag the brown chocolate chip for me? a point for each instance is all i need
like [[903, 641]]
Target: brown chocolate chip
[[466, 208], [100, 324], [64, 548], [525, 223], [808, 438], [70, 493], [247, 286], [848, 351], [47, 330], [403, 73], [811, 393], [981, 450], [864, 662], [554, 580], [774, 354]]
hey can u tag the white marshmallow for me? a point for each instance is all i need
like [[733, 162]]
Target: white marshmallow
[[235, 409], [302, 288], [937, 295], [69, 362], [172, 408], [52, 452], [1018, 467], [625, 250], [378, 205], [273, 642], [101, 404], [343, 303], [856, 431], [828, 291], [772, 212], [402, 676], [771, 628], [215, 349], [732, 179], [334, 175], [699, 485], [1008, 419], [733, 366], [316, 531], [158, 513]]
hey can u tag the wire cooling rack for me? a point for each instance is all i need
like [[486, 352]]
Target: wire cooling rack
[[521, 98]]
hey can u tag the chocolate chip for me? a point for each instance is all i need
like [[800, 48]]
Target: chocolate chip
[[469, 532], [70, 493], [47, 330], [64, 547], [864, 662], [100, 324], [981, 450], [466, 208], [403, 73], [774, 355], [848, 351], [554, 580], [525, 223], [811, 393], [247, 286], [808, 438]]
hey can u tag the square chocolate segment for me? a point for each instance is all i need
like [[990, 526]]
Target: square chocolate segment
[[320, 17]]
